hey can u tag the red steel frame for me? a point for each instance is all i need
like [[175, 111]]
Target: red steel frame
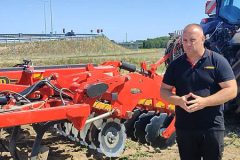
[[77, 80]]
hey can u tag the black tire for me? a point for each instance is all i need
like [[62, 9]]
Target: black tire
[[174, 47], [233, 106], [169, 48]]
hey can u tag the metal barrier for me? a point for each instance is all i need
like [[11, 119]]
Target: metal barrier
[[21, 38]]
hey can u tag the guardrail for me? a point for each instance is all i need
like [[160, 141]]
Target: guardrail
[[21, 38]]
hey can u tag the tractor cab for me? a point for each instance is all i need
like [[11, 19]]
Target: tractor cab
[[226, 9], [220, 11], [229, 11]]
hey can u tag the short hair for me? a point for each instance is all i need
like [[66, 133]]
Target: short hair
[[193, 25]]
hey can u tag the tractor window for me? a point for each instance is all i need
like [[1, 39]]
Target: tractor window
[[236, 3], [226, 2], [230, 11]]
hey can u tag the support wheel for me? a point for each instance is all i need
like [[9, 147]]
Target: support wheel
[[112, 138]]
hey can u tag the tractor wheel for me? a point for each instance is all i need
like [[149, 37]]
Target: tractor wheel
[[174, 47], [232, 108], [236, 70], [169, 48]]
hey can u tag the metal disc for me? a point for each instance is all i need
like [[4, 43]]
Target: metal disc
[[83, 133], [75, 134], [92, 137], [160, 141], [140, 125], [112, 138], [62, 129], [129, 124], [153, 128], [68, 127]]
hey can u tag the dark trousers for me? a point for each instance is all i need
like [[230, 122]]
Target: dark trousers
[[200, 145]]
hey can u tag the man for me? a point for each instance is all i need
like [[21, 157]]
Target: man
[[204, 81]]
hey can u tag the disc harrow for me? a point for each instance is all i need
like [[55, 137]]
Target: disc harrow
[[94, 105]]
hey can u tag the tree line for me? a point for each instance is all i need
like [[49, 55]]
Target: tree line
[[160, 42]]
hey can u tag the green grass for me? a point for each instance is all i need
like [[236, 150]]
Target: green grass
[[95, 50]]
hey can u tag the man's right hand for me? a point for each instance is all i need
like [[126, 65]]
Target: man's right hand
[[182, 102]]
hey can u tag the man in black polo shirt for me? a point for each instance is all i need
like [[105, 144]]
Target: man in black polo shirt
[[204, 81]]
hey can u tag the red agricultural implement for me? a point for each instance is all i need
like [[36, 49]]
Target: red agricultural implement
[[96, 105]]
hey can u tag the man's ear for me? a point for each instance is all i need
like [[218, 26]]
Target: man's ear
[[203, 38]]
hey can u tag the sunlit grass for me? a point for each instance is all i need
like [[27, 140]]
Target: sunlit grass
[[97, 50]]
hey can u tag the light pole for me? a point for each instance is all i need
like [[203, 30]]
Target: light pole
[[51, 16], [45, 21], [126, 37]]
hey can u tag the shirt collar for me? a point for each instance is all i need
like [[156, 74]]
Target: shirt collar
[[206, 54]]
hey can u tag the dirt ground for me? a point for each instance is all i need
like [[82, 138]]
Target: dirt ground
[[60, 148]]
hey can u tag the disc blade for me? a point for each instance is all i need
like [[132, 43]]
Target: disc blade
[[68, 127], [129, 124], [75, 134], [93, 137], [140, 125], [153, 128]]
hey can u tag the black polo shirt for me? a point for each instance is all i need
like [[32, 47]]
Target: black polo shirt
[[203, 80]]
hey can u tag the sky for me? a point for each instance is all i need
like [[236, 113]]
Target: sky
[[120, 20]]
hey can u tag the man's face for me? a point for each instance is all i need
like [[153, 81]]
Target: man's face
[[193, 41]]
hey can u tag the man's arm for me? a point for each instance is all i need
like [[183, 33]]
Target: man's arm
[[228, 92], [166, 93]]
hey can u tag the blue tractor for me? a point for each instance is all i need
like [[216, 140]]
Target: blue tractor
[[222, 31]]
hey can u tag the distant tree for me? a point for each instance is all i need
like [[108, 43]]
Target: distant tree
[[159, 42]]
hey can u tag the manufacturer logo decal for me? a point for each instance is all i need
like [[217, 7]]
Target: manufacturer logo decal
[[209, 67]]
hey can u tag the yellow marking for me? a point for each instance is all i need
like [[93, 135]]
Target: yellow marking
[[160, 104], [103, 106], [171, 107], [209, 67], [141, 101], [3, 81], [148, 102], [38, 76]]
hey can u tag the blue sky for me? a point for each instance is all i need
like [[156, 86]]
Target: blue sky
[[140, 19]]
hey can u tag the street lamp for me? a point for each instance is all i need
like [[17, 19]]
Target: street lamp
[[51, 16], [45, 21]]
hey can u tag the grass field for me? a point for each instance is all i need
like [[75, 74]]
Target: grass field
[[95, 51]]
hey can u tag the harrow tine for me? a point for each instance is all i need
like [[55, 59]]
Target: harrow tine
[[58, 129], [75, 134], [153, 128], [140, 124], [68, 127], [93, 137], [61, 129], [83, 134], [12, 143], [85, 130]]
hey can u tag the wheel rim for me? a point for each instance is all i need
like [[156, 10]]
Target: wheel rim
[[112, 138]]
